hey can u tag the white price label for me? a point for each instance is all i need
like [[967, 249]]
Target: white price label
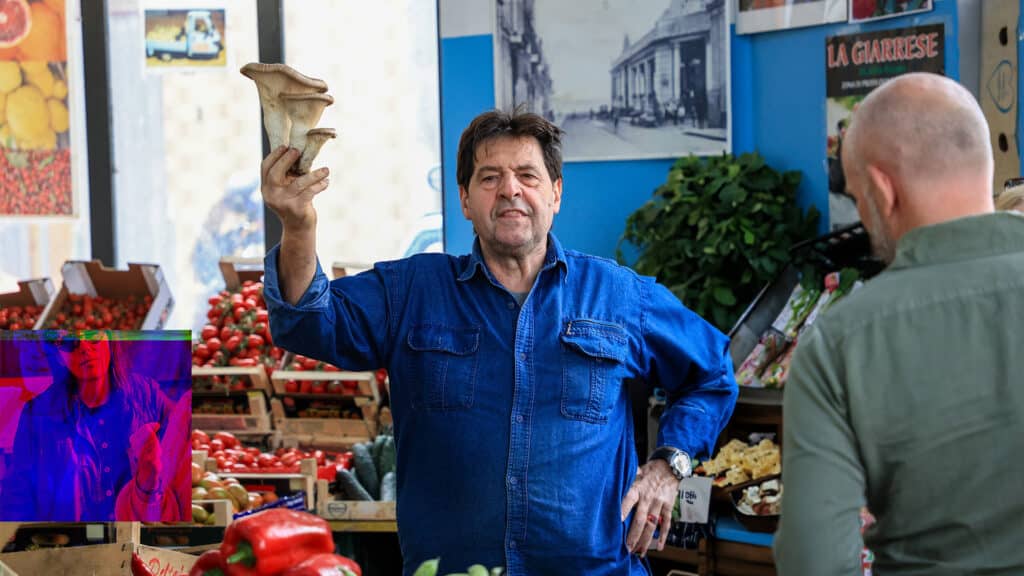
[[694, 499]]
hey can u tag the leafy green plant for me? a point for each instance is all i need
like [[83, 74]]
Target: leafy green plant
[[717, 231]]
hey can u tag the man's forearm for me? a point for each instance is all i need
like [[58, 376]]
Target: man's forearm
[[296, 263]]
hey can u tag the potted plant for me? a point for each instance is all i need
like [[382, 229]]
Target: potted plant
[[717, 231]]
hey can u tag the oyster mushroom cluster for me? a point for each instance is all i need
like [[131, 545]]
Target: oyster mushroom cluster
[[292, 105]]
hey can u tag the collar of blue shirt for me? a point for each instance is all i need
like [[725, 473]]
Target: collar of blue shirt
[[475, 261]]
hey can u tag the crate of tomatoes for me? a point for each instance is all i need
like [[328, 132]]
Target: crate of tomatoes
[[95, 297], [21, 310], [237, 333]]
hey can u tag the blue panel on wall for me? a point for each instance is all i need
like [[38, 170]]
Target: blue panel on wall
[[778, 105], [467, 89]]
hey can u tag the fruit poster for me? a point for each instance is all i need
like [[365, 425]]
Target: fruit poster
[[866, 10], [190, 38], [855, 65], [766, 15], [35, 146]]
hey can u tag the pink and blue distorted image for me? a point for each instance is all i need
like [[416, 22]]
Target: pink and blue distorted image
[[94, 426]]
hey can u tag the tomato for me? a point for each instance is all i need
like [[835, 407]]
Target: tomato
[[201, 436], [216, 445], [232, 343], [262, 316], [305, 386], [209, 331], [227, 438], [202, 352], [225, 333], [291, 386], [319, 387], [309, 363], [213, 344], [254, 341]]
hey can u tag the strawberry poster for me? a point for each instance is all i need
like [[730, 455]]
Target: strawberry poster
[[856, 65], [35, 167]]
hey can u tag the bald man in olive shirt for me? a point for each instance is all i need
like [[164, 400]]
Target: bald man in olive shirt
[[908, 397]]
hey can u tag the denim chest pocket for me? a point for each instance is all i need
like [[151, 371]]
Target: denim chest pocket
[[442, 363], [592, 369]]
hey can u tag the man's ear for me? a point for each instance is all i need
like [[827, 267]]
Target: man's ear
[[883, 188], [464, 201], [556, 203]]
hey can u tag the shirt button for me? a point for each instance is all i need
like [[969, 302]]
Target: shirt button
[[109, 493], [512, 480], [512, 544], [522, 356], [104, 445], [101, 421], [519, 418], [511, 305], [106, 468]]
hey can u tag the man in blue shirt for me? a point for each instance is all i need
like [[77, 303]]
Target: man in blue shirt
[[512, 423]]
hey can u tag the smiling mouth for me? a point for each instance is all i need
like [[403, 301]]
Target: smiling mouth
[[512, 214]]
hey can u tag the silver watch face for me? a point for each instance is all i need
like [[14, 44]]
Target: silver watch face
[[680, 465]]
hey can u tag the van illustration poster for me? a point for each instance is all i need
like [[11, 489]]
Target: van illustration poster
[[185, 38]]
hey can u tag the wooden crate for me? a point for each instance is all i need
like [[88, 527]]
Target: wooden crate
[[94, 279], [331, 509], [223, 511], [367, 381], [255, 374], [304, 480], [98, 560], [327, 432]]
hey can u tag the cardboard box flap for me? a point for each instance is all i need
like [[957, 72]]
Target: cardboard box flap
[[100, 560]]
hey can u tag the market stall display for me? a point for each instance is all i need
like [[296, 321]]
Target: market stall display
[[20, 310], [95, 297]]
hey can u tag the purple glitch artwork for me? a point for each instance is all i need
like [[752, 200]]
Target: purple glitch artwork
[[94, 426]]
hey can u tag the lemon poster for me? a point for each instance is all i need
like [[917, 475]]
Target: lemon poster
[[35, 167]]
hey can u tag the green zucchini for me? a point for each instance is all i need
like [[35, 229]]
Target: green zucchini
[[352, 488], [365, 470]]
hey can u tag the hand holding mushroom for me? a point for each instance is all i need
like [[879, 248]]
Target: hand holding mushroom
[[292, 105]]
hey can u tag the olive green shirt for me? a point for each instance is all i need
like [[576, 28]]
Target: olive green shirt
[[908, 397]]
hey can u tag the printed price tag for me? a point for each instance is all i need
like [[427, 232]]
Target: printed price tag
[[694, 499]]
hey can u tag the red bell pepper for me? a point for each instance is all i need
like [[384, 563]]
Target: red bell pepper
[[211, 563], [326, 565], [274, 540], [139, 567]]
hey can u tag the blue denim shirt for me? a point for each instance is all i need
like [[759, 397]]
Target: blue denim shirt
[[513, 427]]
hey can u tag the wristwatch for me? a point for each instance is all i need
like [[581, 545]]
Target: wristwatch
[[677, 460]]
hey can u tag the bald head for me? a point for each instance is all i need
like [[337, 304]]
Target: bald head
[[922, 128], [918, 148]]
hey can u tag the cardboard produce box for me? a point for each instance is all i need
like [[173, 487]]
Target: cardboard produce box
[[35, 292], [92, 278], [99, 560], [236, 270]]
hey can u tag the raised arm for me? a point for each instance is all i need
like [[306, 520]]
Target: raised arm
[[291, 198]]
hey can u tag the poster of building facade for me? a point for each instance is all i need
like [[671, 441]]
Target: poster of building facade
[[766, 15], [855, 65], [866, 10], [634, 78]]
